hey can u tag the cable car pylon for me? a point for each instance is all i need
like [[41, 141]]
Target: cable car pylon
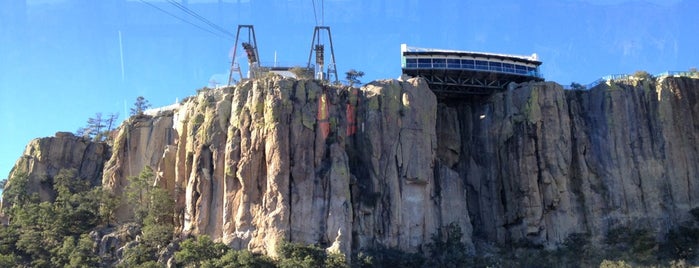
[[250, 50], [318, 48]]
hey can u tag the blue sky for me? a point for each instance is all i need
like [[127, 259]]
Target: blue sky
[[60, 60]]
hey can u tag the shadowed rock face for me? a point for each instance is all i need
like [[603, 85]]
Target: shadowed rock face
[[540, 163], [280, 159]]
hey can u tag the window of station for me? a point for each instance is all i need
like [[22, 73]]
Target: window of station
[[481, 65], [508, 67], [439, 63], [424, 63], [521, 69], [496, 66], [410, 63], [453, 64], [467, 64], [532, 71]]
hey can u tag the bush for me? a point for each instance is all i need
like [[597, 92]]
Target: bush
[[388, 257], [138, 255], [302, 73], [632, 243], [240, 258], [194, 251], [446, 249], [643, 75], [614, 264], [298, 255], [577, 86]]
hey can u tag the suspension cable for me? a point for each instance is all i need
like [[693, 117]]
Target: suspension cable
[[200, 17], [314, 11], [183, 20]]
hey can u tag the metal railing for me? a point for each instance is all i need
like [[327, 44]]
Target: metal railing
[[693, 74], [617, 77]]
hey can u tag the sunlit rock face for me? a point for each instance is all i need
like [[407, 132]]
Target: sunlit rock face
[[44, 158], [280, 159]]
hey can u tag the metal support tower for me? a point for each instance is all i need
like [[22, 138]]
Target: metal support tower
[[250, 50], [319, 49]]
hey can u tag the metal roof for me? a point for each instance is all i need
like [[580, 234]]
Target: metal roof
[[417, 50]]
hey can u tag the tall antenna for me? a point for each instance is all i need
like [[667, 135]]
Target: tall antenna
[[319, 49], [250, 50]]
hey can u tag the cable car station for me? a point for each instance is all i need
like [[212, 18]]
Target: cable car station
[[452, 73]]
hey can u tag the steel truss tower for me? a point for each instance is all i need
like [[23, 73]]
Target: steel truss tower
[[319, 48], [250, 50]]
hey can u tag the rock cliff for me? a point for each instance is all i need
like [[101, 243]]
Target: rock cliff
[[389, 165], [43, 158], [540, 163]]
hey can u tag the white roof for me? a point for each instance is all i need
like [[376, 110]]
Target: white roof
[[406, 48]]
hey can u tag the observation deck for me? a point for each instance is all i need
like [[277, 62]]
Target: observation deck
[[452, 73]]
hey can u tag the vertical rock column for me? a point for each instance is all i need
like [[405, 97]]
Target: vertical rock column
[[396, 143]]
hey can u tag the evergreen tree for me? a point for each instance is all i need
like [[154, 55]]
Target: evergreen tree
[[353, 76], [153, 210], [95, 125], [140, 106], [136, 193], [111, 121]]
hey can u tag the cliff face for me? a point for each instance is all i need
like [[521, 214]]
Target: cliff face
[[388, 165], [44, 158], [540, 163], [281, 159]]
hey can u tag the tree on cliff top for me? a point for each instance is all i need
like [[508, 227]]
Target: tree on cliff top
[[140, 106], [642, 75], [353, 76]]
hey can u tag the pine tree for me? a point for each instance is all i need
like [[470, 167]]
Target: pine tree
[[353, 76], [140, 106]]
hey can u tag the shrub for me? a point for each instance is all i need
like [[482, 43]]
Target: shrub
[[240, 258], [194, 251], [577, 86], [642, 75], [298, 255], [614, 264], [302, 73], [638, 242], [446, 249], [388, 257]]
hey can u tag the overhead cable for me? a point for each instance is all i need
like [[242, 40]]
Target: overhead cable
[[200, 17], [314, 11], [183, 20]]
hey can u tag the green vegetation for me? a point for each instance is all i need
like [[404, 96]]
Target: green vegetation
[[98, 128], [446, 249], [577, 86], [153, 210], [292, 255], [203, 252], [51, 234], [643, 75], [302, 73], [140, 106], [353, 76]]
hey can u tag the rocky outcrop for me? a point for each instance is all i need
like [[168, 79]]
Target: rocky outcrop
[[43, 158], [389, 165]]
